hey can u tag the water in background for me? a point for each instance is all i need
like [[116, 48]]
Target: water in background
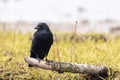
[[61, 11]]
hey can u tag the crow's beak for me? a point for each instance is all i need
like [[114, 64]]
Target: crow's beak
[[36, 28]]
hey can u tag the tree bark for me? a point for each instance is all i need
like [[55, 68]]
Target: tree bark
[[68, 67]]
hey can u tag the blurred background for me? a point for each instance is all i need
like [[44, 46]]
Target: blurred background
[[101, 16], [97, 21]]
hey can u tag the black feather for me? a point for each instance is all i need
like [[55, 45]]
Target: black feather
[[42, 41]]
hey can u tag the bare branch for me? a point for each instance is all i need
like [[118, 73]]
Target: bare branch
[[68, 67]]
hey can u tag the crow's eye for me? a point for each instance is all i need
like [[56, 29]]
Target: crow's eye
[[41, 27]]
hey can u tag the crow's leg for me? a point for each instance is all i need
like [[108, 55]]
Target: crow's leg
[[47, 60]]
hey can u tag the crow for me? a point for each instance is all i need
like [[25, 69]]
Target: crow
[[41, 43]]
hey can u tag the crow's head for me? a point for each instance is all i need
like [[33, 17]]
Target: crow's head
[[42, 26]]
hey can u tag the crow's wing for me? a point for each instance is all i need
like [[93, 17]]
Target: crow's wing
[[41, 39], [35, 43]]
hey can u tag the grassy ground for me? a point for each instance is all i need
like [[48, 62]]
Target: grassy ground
[[92, 48]]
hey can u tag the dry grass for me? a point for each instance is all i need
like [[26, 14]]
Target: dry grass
[[84, 48]]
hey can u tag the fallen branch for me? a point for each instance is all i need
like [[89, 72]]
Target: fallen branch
[[68, 67]]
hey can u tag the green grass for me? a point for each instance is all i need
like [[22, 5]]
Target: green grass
[[14, 46]]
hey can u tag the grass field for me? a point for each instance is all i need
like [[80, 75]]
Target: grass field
[[88, 48]]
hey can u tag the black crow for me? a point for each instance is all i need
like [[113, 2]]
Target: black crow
[[42, 41]]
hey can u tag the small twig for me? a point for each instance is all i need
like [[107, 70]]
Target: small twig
[[57, 48]]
